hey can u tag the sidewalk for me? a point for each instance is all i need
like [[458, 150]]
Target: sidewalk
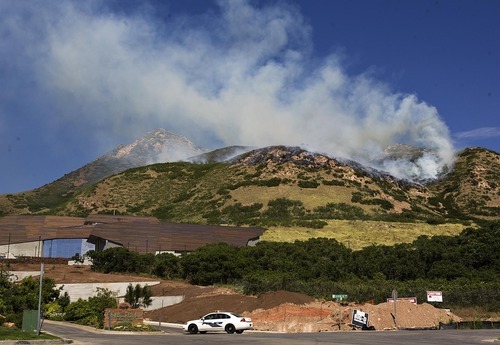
[[87, 328], [37, 342]]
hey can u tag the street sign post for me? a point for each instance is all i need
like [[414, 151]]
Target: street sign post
[[395, 299], [339, 298]]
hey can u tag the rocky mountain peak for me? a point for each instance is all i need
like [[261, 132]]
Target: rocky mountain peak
[[157, 146]]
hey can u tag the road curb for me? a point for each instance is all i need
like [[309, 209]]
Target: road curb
[[37, 342]]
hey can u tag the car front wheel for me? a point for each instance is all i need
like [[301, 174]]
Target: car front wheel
[[239, 331], [230, 328], [193, 329]]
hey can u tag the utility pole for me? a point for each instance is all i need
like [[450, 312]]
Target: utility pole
[[39, 301]]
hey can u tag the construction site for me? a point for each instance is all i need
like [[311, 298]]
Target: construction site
[[279, 311]]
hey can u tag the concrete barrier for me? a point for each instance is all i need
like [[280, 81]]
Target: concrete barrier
[[86, 290]]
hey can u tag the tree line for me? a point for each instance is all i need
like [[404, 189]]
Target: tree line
[[465, 267]]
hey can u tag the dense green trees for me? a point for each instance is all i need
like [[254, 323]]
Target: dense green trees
[[283, 212], [465, 267], [15, 297], [166, 265], [120, 259], [215, 263]]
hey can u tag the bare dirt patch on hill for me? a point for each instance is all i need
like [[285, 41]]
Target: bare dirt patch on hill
[[71, 274]]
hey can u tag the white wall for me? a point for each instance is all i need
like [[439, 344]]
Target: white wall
[[86, 290], [22, 249]]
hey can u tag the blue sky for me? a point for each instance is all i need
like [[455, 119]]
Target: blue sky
[[347, 78]]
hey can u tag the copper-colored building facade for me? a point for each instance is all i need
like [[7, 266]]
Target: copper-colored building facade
[[26, 235]]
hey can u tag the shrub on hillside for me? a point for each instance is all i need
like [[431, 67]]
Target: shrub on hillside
[[308, 184], [90, 312]]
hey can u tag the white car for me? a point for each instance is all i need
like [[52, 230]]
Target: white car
[[219, 321]]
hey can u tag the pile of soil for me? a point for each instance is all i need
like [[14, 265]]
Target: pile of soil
[[293, 318], [195, 307], [330, 316], [408, 315]]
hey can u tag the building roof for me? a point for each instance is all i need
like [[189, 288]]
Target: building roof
[[20, 229], [140, 234]]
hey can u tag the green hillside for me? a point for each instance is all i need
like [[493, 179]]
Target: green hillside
[[278, 194], [472, 188]]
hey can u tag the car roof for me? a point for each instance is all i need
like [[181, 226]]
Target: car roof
[[222, 312]]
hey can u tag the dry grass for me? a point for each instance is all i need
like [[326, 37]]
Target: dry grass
[[476, 313], [359, 234], [310, 197]]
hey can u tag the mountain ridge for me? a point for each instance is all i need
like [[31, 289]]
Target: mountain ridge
[[245, 177], [154, 146]]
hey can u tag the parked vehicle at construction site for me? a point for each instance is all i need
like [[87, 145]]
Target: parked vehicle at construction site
[[219, 321]]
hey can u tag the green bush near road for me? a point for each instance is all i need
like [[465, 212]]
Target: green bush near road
[[7, 333], [90, 312], [15, 297]]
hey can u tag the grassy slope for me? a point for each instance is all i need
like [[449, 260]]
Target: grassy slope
[[359, 234], [311, 197]]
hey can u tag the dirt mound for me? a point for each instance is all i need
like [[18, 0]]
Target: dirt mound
[[408, 315], [290, 317], [274, 298], [180, 288], [195, 307], [330, 316]]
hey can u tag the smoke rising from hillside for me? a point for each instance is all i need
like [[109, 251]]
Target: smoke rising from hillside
[[239, 76]]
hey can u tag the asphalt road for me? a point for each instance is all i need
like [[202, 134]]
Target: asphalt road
[[86, 335]]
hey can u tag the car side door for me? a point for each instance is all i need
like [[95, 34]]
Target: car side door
[[218, 321], [208, 322]]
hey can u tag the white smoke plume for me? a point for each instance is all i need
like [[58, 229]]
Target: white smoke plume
[[241, 75]]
